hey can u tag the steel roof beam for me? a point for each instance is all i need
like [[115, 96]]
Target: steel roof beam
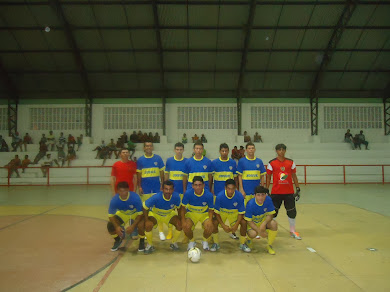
[[386, 109]]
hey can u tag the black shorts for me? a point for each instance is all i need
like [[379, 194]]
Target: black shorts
[[289, 201]]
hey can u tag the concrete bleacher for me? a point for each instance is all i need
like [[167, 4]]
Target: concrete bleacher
[[309, 153]]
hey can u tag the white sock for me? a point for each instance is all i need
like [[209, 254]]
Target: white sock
[[292, 224]]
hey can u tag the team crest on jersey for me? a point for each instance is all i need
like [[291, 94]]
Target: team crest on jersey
[[204, 203], [283, 168], [204, 166], [172, 205], [230, 167], [283, 176], [265, 209], [257, 165], [131, 206], [235, 204], [155, 163]]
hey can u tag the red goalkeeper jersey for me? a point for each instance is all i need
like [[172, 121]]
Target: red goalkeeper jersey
[[282, 175]]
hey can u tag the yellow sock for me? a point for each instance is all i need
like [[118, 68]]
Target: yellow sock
[[176, 236], [242, 239], [216, 238], [192, 239], [114, 235], [185, 238], [169, 235], [149, 237], [206, 239], [142, 236], [271, 236], [160, 227]]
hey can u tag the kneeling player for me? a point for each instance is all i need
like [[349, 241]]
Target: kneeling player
[[259, 214], [229, 206], [162, 206], [125, 205], [197, 206]]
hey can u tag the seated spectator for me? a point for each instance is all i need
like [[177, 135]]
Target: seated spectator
[[257, 138], [26, 140], [103, 154], [71, 141], [124, 138], [47, 162], [3, 145], [71, 155], [184, 139], [134, 137], [51, 141], [131, 147], [235, 153], [112, 148], [41, 153], [247, 138], [195, 138], [16, 142], [43, 139], [99, 149], [79, 141], [144, 138], [203, 139], [119, 143], [140, 135], [135, 159], [61, 157], [61, 140], [362, 139], [25, 163], [13, 166], [150, 137], [241, 152], [156, 138], [348, 137], [356, 141]]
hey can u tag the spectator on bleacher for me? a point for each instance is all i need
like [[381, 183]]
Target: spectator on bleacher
[[71, 141], [119, 143], [123, 170], [99, 149], [131, 147], [26, 140], [16, 142], [356, 141], [71, 154], [79, 141], [13, 166], [150, 137], [203, 139], [235, 153], [3, 145], [134, 137], [61, 140], [144, 138], [139, 136], [348, 138], [61, 157], [25, 163], [156, 138], [195, 138], [135, 159], [241, 152], [47, 162], [362, 139], [124, 138], [112, 148], [51, 141], [184, 139], [103, 154], [43, 139], [41, 153], [247, 138], [257, 138]]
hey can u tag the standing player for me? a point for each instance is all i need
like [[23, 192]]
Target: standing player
[[197, 206], [162, 206], [229, 206], [123, 170], [175, 171], [251, 172], [283, 171], [124, 206], [150, 171], [198, 165], [259, 214]]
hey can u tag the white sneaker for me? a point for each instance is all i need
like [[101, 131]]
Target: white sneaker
[[258, 237], [162, 236], [245, 248], [205, 245], [191, 244]]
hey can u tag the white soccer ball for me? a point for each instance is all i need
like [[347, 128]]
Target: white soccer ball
[[194, 254]]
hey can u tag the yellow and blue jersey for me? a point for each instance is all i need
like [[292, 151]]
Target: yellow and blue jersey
[[149, 168], [199, 204], [257, 213], [198, 167], [161, 206], [176, 169], [130, 206], [223, 170], [229, 206], [251, 170]]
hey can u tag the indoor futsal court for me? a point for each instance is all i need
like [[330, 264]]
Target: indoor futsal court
[[83, 80]]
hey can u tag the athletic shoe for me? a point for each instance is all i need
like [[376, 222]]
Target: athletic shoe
[[191, 244], [270, 250], [169, 235], [174, 246], [149, 249], [233, 236], [258, 237], [215, 247], [249, 243], [205, 245], [295, 235], [117, 244], [162, 236], [141, 246], [245, 248]]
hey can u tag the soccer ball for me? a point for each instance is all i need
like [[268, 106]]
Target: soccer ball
[[194, 254]]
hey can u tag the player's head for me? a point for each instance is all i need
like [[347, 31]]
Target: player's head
[[168, 188], [224, 151], [348, 130], [16, 156], [250, 149], [124, 153], [179, 149], [148, 148], [281, 149], [123, 189], [361, 131], [198, 148], [230, 187], [25, 156], [198, 184], [260, 194]]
